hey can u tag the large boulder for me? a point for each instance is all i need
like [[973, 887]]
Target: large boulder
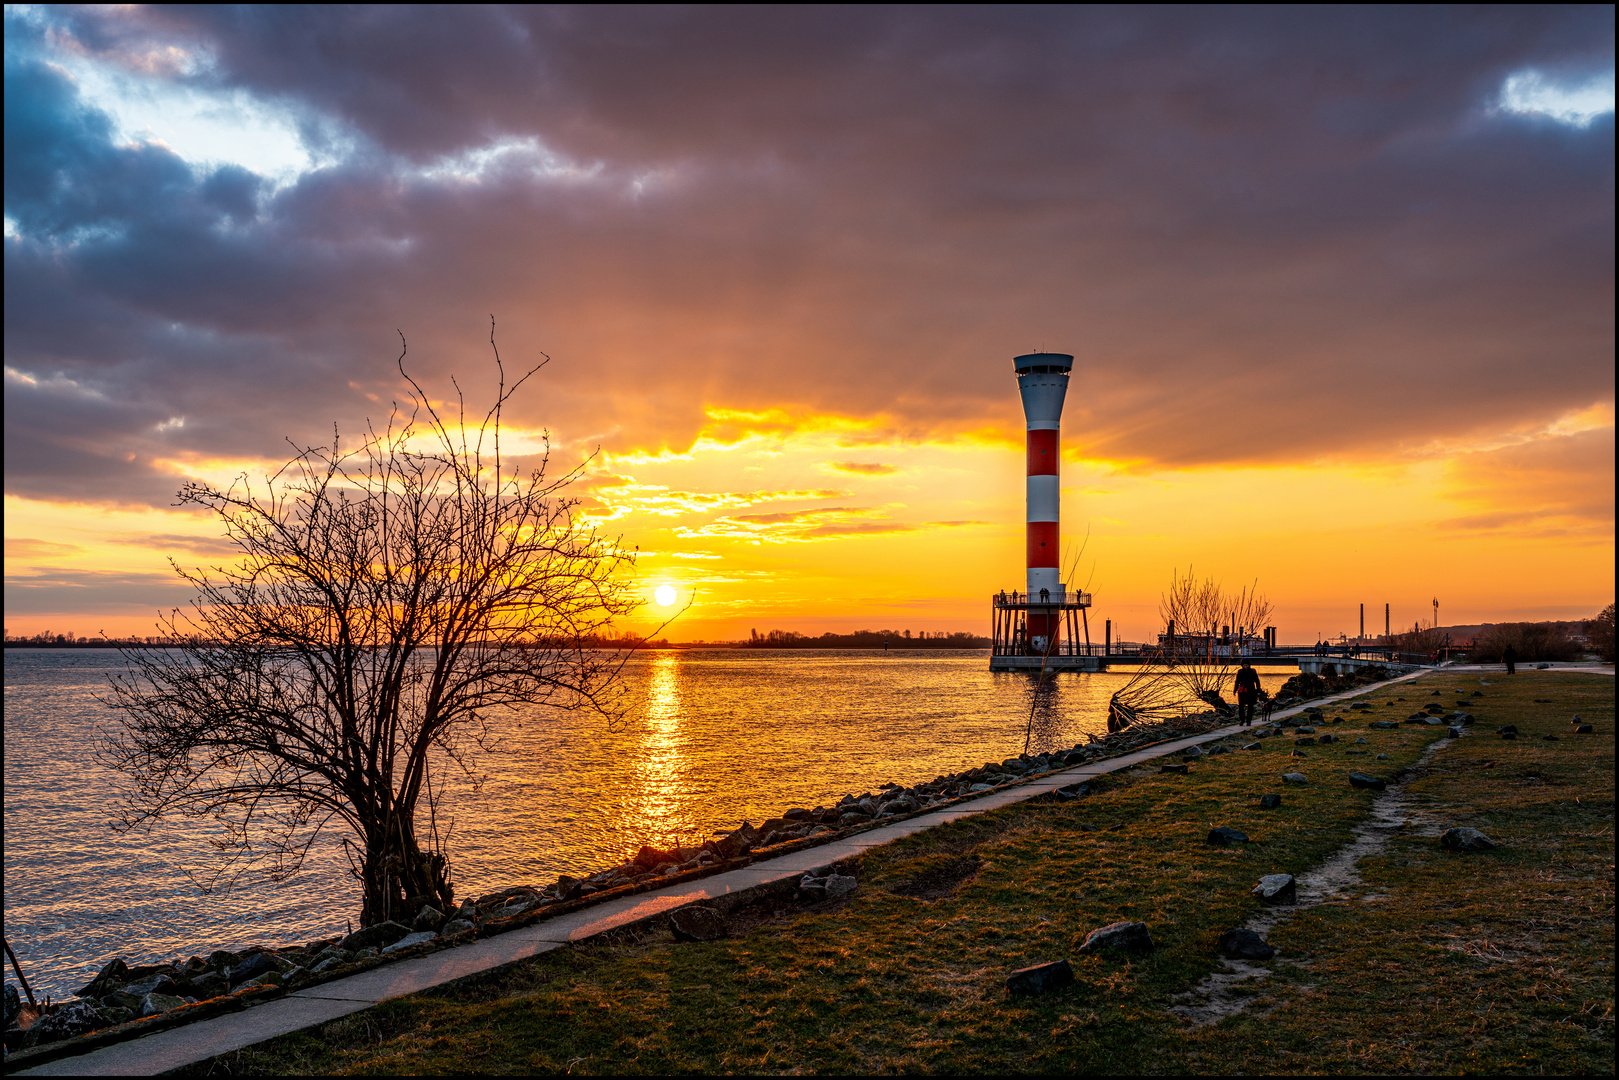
[[650, 857], [65, 1023], [1294, 778], [1277, 889], [1125, 936], [1039, 978], [249, 969], [1361, 780], [156, 983], [695, 922], [152, 1004], [111, 977], [375, 936], [410, 941], [840, 885], [1244, 944], [1464, 839]]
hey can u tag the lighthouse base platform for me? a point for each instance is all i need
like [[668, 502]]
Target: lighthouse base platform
[[1047, 663]]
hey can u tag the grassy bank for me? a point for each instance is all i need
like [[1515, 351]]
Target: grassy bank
[[1437, 962]]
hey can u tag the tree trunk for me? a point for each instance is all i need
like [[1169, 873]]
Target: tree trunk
[[398, 877]]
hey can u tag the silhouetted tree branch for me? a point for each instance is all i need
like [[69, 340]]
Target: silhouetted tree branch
[[387, 603]]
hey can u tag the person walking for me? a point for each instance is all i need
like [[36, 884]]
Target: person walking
[[1247, 693], [1509, 656]]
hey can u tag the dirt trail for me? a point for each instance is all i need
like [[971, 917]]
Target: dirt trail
[[1228, 991]]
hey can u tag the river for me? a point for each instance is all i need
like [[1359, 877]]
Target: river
[[718, 736]]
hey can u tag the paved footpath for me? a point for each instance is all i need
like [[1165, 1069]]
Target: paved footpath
[[171, 1049]]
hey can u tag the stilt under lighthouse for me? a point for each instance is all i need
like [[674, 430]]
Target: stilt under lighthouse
[[1042, 626]]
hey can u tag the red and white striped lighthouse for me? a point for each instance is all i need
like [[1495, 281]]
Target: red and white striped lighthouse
[[1043, 383]]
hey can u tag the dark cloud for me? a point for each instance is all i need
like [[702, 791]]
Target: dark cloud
[[1268, 234], [52, 591]]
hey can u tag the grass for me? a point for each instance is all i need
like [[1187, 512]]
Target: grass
[[1438, 962]]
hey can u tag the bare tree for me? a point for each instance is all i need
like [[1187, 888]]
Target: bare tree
[[1207, 624], [386, 603]]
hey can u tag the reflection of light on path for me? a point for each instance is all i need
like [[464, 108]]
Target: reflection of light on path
[[661, 759]]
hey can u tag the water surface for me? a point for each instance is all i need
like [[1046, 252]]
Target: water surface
[[719, 736]]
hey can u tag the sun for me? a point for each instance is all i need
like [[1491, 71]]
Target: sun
[[665, 596]]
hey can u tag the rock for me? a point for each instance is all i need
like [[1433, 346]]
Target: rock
[[1304, 742], [797, 814], [695, 922], [1189, 752], [210, 984], [1383, 724], [65, 1023], [1294, 778], [371, 937], [152, 984], [328, 964], [1253, 746], [1269, 802], [847, 820], [1037, 979], [1182, 769], [980, 787], [248, 969], [1073, 791], [1359, 742], [649, 857], [1382, 757], [410, 941], [1361, 780], [811, 889], [1456, 733], [1126, 936], [1277, 889], [1244, 944], [1298, 753], [13, 1005], [839, 885], [365, 954], [1509, 735], [1464, 839], [1507, 729], [1304, 731], [114, 974], [429, 918], [269, 978], [152, 1004], [457, 926], [1584, 729], [1326, 739], [1548, 738], [118, 1015], [1224, 836]]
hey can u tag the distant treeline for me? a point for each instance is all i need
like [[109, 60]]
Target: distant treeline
[[48, 640], [865, 639]]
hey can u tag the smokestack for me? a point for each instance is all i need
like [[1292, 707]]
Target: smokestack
[[1043, 384]]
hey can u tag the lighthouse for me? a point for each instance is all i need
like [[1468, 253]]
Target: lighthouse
[[1031, 624]]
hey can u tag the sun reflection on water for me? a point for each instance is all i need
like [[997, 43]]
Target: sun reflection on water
[[662, 762]]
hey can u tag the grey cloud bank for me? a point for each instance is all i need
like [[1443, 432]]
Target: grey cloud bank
[[1269, 234]]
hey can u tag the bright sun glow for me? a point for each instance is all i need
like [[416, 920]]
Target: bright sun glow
[[665, 595]]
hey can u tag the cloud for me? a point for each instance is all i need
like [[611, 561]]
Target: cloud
[[1551, 485], [18, 547], [1268, 235], [50, 591], [864, 468]]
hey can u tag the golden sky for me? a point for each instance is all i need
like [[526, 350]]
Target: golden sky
[[1339, 285]]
